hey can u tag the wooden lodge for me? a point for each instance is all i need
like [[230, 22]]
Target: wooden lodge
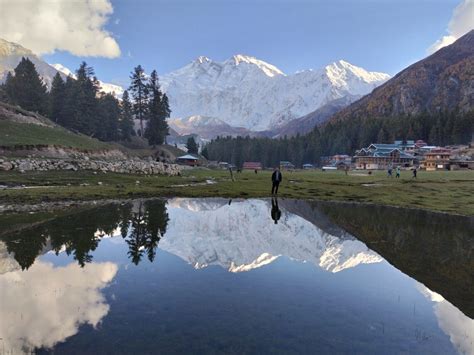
[[187, 159], [437, 159], [381, 156]]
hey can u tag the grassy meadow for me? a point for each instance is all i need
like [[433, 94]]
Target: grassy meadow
[[447, 191]]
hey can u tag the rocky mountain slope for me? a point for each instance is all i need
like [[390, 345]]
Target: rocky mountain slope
[[10, 56], [307, 123], [206, 127], [444, 81], [246, 92]]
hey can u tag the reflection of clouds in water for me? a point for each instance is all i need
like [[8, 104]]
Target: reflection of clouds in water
[[47, 304], [452, 321]]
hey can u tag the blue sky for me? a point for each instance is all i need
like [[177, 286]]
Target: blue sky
[[379, 35]]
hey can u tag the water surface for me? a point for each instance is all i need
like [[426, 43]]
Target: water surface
[[242, 276]]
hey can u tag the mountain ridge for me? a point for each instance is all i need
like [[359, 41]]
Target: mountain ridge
[[247, 92], [443, 81]]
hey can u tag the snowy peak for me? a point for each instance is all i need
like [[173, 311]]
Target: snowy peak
[[344, 70], [62, 69], [268, 69], [202, 59], [244, 91]]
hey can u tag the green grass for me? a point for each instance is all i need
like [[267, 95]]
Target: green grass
[[449, 191], [14, 134]]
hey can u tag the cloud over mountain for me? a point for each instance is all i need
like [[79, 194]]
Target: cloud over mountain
[[46, 26], [462, 21]]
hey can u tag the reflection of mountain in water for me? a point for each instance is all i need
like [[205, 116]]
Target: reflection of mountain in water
[[436, 249], [242, 236]]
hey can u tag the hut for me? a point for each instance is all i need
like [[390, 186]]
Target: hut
[[188, 159]]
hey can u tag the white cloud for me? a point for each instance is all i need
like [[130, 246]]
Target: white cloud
[[47, 304], [462, 21], [45, 26]]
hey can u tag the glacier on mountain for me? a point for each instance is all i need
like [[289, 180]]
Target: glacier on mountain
[[247, 92]]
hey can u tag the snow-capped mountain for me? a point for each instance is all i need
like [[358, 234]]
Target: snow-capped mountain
[[239, 238], [250, 93]]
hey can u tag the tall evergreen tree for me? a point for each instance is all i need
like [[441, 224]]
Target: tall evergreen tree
[[192, 146], [57, 98], [158, 111], [85, 110], [108, 118], [126, 117], [139, 91], [26, 88]]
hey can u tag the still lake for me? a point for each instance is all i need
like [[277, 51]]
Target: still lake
[[236, 276]]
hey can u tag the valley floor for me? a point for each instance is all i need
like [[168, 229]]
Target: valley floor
[[446, 191]]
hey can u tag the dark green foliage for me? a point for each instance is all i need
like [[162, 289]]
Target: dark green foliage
[[139, 91], [344, 137], [192, 146], [126, 118], [85, 107], [107, 128], [26, 89], [205, 153], [158, 111], [80, 233], [57, 97]]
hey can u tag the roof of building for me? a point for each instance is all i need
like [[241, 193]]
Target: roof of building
[[252, 164], [187, 157]]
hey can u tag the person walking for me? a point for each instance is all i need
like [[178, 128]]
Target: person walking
[[397, 175], [414, 172], [389, 171], [276, 179]]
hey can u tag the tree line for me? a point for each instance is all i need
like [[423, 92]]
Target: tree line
[[78, 104], [344, 137]]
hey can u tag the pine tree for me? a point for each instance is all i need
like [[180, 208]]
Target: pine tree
[[192, 146], [158, 111], [109, 113], [126, 118], [26, 88], [69, 104], [139, 90], [85, 109], [205, 153], [57, 97]]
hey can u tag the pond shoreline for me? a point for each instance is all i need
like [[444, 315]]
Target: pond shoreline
[[448, 192], [52, 206]]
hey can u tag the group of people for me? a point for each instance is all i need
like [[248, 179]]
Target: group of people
[[397, 172]]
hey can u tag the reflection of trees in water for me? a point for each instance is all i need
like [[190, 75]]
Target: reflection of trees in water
[[79, 234], [147, 226]]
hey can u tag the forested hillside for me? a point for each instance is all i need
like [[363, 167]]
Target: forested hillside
[[78, 104]]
